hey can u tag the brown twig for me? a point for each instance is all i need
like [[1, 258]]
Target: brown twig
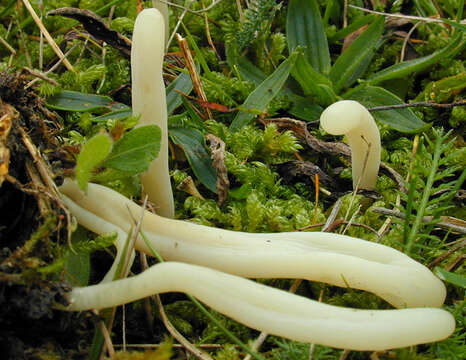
[[47, 178], [177, 335], [41, 37], [401, 16], [446, 222], [40, 75], [8, 46], [57, 64], [23, 41], [48, 37], [333, 225], [263, 335], [106, 335], [447, 254], [183, 43], [209, 37], [405, 41], [419, 104], [456, 263], [151, 346]]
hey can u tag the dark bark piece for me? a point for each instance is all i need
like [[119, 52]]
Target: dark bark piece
[[292, 171], [96, 27]]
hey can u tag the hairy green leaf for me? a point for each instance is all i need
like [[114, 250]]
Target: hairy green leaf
[[92, 154], [135, 150]]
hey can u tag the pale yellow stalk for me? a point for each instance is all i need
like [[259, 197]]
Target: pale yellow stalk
[[149, 101]]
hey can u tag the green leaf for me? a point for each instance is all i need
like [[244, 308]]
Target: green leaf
[[306, 110], [197, 121], [182, 83], [452, 278], [408, 67], [117, 114], [353, 63], [77, 266], [76, 101], [304, 27], [357, 24], [312, 82], [402, 120], [135, 150], [199, 54], [193, 144], [257, 101], [94, 152]]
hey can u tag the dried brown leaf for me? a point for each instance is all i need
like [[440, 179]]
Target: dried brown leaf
[[96, 27], [217, 147]]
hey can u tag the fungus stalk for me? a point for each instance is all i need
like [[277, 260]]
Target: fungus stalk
[[350, 118], [331, 258], [149, 101], [275, 311]]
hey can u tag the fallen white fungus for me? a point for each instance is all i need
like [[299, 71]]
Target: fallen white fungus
[[331, 258], [149, 101], [275, 311], [350, 118]]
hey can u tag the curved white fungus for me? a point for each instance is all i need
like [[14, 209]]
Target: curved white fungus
[[350, 118], [331, 258], [275, 311]]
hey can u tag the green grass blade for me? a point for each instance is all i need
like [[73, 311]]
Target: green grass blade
[[459, 15], [304, 27], [357, 24], [313, 82], [353, 63], [257, 101], [193, 145], [182, 83], [68, 100], [456, 44], [452, 278]]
